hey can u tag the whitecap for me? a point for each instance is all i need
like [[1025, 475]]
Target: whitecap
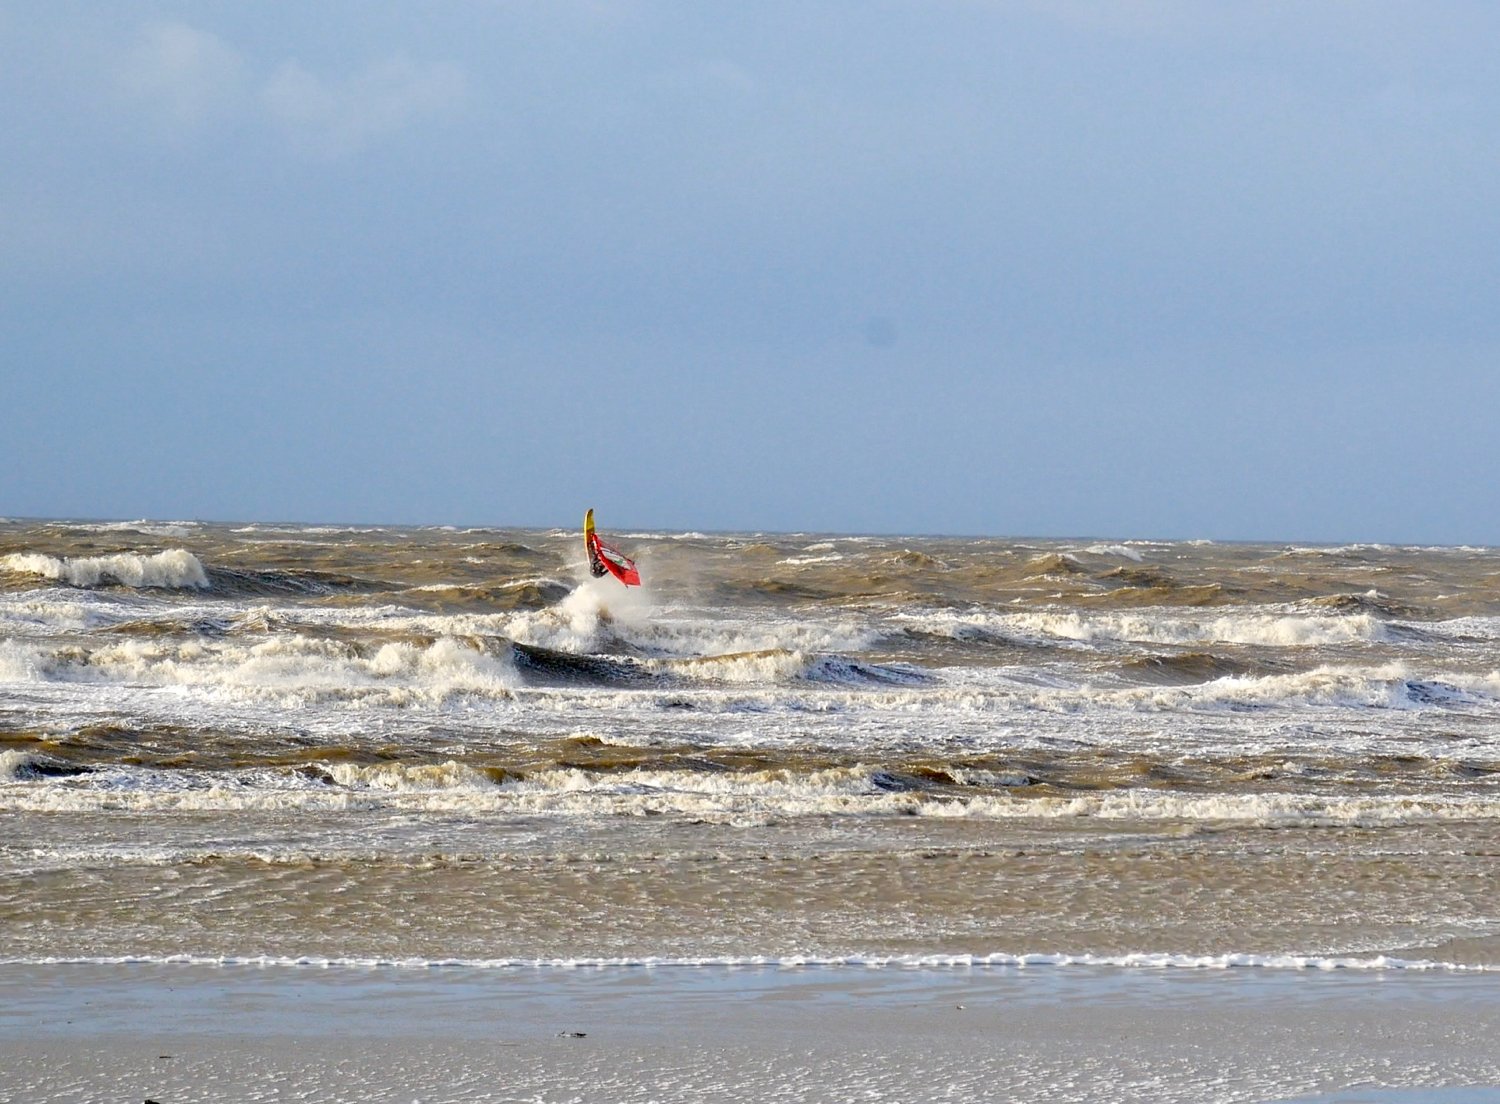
[[1119, 550], [173, 568]]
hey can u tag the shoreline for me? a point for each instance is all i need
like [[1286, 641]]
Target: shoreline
[[175, 1032]]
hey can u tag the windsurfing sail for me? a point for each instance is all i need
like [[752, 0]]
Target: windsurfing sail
[[606, 557]]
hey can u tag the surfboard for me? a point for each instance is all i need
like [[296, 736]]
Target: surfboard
[[605, 558]]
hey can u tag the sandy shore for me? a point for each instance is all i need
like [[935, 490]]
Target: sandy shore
[[191, 1033]]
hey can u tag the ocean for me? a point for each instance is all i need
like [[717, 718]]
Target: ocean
[[416, 747]]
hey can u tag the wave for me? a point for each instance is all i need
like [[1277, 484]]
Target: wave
[[524, 594], [1136, 960], [604, 619], [1463, 630], [1158, 626], [290, 671], [1371, 602], [213, 656], [1207, 683], [317, 530], [23, 766], [1346, 550], [1053, 564], [144, 527], [553, 667], [230, 662], [779, 666], [21, 662], [745, 798], [975, 628], [1187, 667], [1388, 687], [1281, 629], [14, 766], [1144, 578], [399, 777], [1136, 587], [1119, 550], [774, 591], [289, 582], [172, 569]]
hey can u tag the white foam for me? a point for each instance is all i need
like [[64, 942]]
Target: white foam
[[173, 568], [1273, 628], [745, 798], [1341, 550], [1334, 689], [1263, 809], [1464, 629], [1170, 626], [21, 663], [150, 528], [284, 669], [584, 620], [12, 763], [273, 666], [407, 778], [54, 609], [777, 666], [1120, 550], [599, 613], [1137, 960], [1388, 686]]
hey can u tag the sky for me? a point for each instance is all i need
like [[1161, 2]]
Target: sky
[[1153, 270]]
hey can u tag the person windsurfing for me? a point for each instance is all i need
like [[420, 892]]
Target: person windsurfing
[[606, 558]]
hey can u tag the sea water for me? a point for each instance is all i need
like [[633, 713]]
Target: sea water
[[425, 746]]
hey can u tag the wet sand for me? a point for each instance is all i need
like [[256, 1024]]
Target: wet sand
[[173, 1033]]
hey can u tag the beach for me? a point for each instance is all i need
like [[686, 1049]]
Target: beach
[[178, 1032]]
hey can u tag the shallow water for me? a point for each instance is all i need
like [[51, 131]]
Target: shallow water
[[245, 742], [1028, 1034]]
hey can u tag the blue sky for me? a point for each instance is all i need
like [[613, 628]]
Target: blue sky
[[964, 266]]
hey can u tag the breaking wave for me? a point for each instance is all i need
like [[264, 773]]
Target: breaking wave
[[172, 569], [1163, 627], [1119, 550], [753, 797], [1272, 629], [285, 670], [781, 665]]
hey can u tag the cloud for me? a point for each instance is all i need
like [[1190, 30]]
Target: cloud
[[334, 117], [186, 77], [188, 80]]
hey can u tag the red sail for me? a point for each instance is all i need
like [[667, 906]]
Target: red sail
[[619, 565]]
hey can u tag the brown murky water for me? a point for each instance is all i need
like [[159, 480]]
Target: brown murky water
[[426, 744]]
